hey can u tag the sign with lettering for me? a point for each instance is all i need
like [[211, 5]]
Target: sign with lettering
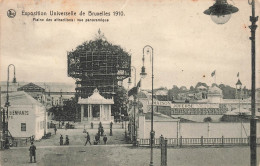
[[160, 103], [183, 105], [186, 105], [18, 112]]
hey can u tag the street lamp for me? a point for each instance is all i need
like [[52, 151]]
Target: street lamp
[[238, 89], [253, 26], [134, 103], [143, 74], [7, 104], [221, 11]]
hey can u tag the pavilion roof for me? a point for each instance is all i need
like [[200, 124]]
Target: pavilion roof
[[96, 98]]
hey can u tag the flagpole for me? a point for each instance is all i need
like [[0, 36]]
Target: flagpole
[[215, 78]]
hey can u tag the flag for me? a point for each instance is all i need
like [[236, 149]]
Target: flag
[[213, 73], [138, 84], [238, 74], [134, 90]]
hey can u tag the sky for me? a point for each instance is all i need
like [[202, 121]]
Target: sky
[[187, 45]]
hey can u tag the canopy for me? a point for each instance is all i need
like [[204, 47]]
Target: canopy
[[96, 98]]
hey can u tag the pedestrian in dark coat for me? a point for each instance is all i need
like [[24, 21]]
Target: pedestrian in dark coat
[[105, 139], [61, 140], [67, 140], [88, 139], [32, 150], [55, 129], [97, 138]]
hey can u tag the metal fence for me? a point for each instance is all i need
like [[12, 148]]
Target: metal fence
[[199, 141]]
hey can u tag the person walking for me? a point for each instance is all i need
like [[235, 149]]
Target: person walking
[[55, 129], [88, 139], [32, 150], [61, 140], [67, 140], [105, 139], [97, 138]]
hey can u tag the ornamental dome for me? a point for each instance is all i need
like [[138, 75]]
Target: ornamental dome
[[215, 90]]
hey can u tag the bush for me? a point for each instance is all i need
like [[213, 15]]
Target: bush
[[207, 119]]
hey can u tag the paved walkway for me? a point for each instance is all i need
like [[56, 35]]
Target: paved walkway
[[77, 137], [126, 156]]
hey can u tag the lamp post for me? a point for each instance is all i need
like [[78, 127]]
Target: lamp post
[[134, 103], [7, 104], [143, 74], [220, 10], [239, 88]]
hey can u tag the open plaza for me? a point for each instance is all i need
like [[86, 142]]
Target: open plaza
[[135, 84], [118, 153]]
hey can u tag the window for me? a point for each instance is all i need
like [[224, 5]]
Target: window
[[23, 126]]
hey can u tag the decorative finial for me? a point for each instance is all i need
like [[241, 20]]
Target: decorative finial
[[95, 90], [100, 36]]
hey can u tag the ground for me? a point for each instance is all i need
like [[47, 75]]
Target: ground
[[111, 155], [118, 153]]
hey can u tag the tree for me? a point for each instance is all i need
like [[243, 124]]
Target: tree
[[69, 109], [191, 88], [201, 84], [120, 102], [65, 112], [227, 91], [207, 119], [173, 93]]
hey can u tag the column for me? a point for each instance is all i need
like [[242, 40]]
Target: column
[[88, 113], [109, 112], [100, 113], [82, 112], [90, 110]]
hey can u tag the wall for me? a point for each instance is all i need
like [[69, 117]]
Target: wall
[[213, 130], [14, 121], [39, 122], [194, 130], [166, 128], [33, 116]]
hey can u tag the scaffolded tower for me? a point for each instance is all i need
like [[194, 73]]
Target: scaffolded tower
[[98, 64]]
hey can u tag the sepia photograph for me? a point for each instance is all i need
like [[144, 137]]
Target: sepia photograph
[[129, 83]]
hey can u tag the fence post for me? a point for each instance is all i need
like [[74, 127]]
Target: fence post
[[137, 142], [162, 151], [222, 140], [177, 141], [180, 141], [201, 140], [166, 144]]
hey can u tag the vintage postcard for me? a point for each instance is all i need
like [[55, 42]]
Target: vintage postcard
[[129, 82]]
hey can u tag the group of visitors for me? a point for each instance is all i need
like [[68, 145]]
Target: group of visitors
[[97, 136], [66, 140], [97, 139]]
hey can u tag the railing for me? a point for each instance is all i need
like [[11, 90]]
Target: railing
[[20, 141], [200, 142]]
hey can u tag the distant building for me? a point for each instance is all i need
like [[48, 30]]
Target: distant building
[[161, 95], [50, 94], [213, 106]]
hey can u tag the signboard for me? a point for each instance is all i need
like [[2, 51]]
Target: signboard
[[183, 105], [186, 105]]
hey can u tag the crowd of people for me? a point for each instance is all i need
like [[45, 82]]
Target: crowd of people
[[96, 139]]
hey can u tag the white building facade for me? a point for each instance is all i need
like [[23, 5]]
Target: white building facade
[[26, 116]]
